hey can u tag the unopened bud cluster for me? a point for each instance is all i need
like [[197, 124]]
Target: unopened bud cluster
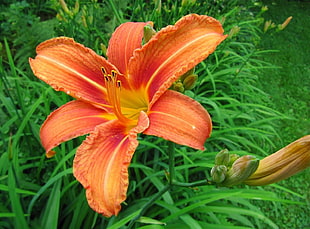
[[270, 25], [231, 169], [186, 82]]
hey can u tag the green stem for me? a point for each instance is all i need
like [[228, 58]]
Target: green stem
[[171, 154], [193, 184], [149, 204], [172, 182]]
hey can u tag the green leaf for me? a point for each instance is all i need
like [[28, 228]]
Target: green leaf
[[51, 212], [148, 220], [20, 220]]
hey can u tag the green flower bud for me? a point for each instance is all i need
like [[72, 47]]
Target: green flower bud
[[178, 86], [241, 169], [218, 173], [188, 73], [103, 49], [234, 30], [186, 3], [190, 81], [264, 8], [64, 7], [222, 158], [232, 159], [149, 32]]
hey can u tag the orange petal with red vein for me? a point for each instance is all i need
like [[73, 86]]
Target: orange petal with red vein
[[180, 119], [173, 51], [125, 39], [101, 164], [71, 120], [71, 67]]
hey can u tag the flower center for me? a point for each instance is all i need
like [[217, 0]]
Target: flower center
[[113, 86]]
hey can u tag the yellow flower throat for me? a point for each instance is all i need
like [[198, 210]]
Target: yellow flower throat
[[129, 112]]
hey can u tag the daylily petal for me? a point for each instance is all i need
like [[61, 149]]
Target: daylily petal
[[71, 67], [71, 120], [101, 164], [125, 39], [180, 119], [173, 51]]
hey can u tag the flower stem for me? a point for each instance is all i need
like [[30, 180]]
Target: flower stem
[[149, 204], [171, 154], [172, 182], [193, 184]]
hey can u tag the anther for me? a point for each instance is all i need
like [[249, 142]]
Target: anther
[[103, 71], [118, 84], [106, 78], [114, 73], [113, 90]]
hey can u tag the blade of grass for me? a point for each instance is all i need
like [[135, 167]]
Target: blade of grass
[[17, 190], [125, 220], [46, 186], [26, 119], [20, 220], [51, 212], [236, 210]]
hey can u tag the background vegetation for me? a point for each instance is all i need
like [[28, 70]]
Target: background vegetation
[[258, 98]]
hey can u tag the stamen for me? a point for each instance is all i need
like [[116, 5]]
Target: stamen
[[119, 84], [114, 73], [113, 87], [103, 71]]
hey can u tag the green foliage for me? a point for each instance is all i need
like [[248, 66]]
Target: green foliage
[[288, 88], [22, 27], [42, 193]]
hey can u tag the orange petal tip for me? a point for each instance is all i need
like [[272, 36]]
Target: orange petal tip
[[50, 154]]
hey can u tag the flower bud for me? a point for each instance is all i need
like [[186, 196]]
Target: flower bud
[[64, 7], [103, 49], [218, 173], [188, 73], [190, 81], [241, 169], [284, 163], [186, 3], [285, 23], [268, 25], [178, 86], [149, 32], [232, 159], [76, 7], [84, 22], [222, 158], [222, 20], [234, 30], [264, 8]]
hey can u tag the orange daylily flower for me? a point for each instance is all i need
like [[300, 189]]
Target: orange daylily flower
[[125, 95]]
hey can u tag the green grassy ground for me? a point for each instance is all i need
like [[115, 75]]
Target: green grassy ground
[[289, 86], [289, 90]]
